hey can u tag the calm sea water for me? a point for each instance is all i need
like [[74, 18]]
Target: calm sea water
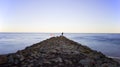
[[108, 44]]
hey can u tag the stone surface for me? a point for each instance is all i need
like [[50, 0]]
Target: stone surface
[[57, 52], [3, 59]]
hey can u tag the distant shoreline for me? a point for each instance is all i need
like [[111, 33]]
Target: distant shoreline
[[60, 32]]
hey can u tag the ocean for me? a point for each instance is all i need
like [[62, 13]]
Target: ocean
[[108, 44]]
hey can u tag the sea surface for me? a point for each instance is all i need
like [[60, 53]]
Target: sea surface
[[109, 44]]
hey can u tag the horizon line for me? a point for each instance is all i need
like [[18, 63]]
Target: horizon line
[[69, 32]]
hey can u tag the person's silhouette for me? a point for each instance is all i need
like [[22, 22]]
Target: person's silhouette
[[62, 33]]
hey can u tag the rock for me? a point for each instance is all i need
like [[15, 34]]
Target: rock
[[87, 62], [68, 61], [10, 59], [56, 60], [53, 51], [22, 58], [16, 61], [3, 59], [59, 59], [76, 52], [46, 62], [30, 65], [104, 65]]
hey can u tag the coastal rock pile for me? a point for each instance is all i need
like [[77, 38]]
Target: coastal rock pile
[[57, 52]]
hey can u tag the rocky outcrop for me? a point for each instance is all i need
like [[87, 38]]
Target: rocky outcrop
[[57, 52]]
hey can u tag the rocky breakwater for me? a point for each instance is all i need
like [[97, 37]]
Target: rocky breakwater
[[57, 52]]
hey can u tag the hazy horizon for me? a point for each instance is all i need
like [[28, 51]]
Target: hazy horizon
[[66, 32], [55, 16]]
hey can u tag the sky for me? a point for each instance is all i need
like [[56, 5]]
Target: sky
[[72, 16]]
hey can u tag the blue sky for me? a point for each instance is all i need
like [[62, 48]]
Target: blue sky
[[76, 16]]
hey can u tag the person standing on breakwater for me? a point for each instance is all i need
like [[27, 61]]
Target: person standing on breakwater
[[62, 34]]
